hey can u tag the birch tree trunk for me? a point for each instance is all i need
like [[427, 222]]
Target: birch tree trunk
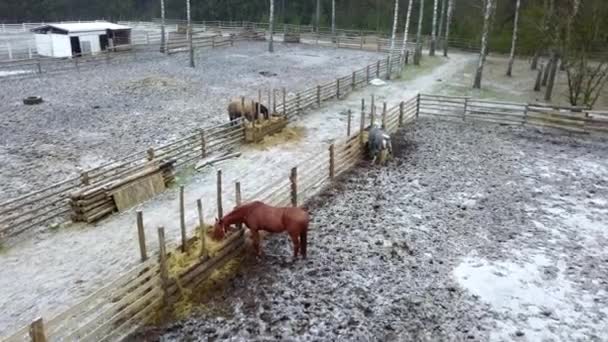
[[163, 43], [271, 27], [418, 53], [406, 30], [333, 18], [447, 28], [552, 75], [441, 19], [318, 16], [189, 28], [514, 39], [434, 30], [395, 21], [484, 43]]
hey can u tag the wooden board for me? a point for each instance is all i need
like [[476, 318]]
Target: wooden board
[[139, 191]]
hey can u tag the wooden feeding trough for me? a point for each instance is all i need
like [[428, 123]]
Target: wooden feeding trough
[[94, 202], [255, 132]]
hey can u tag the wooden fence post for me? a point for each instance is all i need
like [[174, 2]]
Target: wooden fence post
[[164, 271], [388, 68], [378, 69], [354, 82], [332, 161], [150, 153], [203, 143], [284, 102], [337, 88], [274, 101], [362, 104], [293, 178], [367, 74], [298, 103], [37, 333], [361, 43], [348, 123], [318, 96], [220, 210], [525, 114], [372, 111], [238, 198], [84, 178], [384, 115], [401, 109], [142, 236], [203, 231], [464, 113], [39, 66], [257, 107], [417, 105], [269, 101], [182, 218], [361, 127]]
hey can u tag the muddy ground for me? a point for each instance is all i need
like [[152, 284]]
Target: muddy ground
[[474, 232], [97, 115]]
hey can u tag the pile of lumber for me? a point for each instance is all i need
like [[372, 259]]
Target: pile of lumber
[[291, 37], [94, 202], [251, 34]]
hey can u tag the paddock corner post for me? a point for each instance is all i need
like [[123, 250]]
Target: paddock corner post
[[182, 219], [201, 226], [203, 143], [220, 210], [361, 127], [418, 106], [293, 178], [318, 96], [164, 271], [401, 108], [150, 153], [348, 124], [84, 178], [332, 162], [37, 333], [141, 234], [284, 102], [384, 115], [337, 88]]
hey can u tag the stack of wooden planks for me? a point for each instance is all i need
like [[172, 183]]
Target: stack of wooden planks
[[94, 202]]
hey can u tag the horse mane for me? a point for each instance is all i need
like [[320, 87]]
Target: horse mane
[[240, 210]]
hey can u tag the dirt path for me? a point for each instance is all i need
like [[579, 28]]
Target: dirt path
[[56, 270], [475, 233]]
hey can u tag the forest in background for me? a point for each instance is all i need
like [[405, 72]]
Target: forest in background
[[350, 14]]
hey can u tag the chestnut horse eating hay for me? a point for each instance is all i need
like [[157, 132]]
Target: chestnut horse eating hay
[[259, 216]]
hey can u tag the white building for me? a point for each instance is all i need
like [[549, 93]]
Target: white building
[[77, 39]]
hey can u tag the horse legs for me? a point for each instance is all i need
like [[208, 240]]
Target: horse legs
[[255, 237], [295, 238]]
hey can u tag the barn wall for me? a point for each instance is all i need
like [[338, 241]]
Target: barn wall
[[43, 44], [61, 45]]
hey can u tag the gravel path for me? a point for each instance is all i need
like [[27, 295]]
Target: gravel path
[[475, 232], [92, 117], [56, 269]]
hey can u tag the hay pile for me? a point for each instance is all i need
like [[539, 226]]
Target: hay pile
[[286, 135]]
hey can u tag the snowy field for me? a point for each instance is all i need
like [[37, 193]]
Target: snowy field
[[92, 117], [474, 233]]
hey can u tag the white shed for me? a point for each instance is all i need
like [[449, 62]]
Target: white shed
[[77, 39]]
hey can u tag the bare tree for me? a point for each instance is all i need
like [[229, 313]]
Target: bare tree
[[442, 18], [189, 31], [406, 30], [489, 5], [333, 18], [163, 43], [395, 21], [418, 52], [447, 28], [585, 80], [271, 27], [514, 39], [318, 16], [434, 30]]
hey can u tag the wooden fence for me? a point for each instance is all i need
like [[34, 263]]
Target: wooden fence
[[118, 309], [513, 113], [50, 205]]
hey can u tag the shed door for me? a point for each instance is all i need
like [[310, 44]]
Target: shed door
[[103, 42], [75, 41]]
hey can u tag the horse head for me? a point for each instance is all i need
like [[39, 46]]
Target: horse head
[[219, 230], [264, 111]]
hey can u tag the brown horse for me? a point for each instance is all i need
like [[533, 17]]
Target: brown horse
[[259, 216]]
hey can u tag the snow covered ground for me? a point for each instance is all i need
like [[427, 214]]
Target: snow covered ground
[[476, 232], [55, 270]]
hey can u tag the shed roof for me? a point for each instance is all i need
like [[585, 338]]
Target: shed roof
[[82, 27]]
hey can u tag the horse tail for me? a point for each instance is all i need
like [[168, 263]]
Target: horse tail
[[303, 238]]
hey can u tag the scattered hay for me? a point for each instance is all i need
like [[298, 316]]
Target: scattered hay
[[178, 261], [153, 82], [286, 135]]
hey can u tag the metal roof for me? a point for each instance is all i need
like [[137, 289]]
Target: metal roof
[[83, 27]]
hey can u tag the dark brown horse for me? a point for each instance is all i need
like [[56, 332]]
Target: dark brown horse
[[259, 216]]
